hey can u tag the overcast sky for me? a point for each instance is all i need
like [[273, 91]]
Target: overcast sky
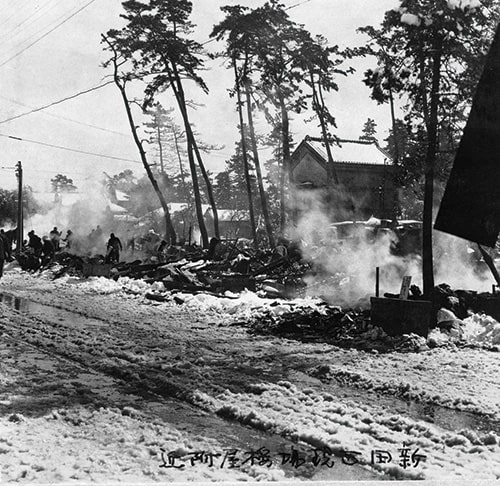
[[50, 50]]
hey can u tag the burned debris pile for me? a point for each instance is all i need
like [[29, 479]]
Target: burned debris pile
[[332, 325], [221, 268], [229, 267]]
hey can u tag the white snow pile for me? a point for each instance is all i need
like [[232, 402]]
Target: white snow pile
[[248, 304], [477, 329], [463, 4], [49, 273], [100, 285], [103, 285], [410, 19], [323, 420]]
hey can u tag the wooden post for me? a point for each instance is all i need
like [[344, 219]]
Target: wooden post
[[20, 232], [377, 281]]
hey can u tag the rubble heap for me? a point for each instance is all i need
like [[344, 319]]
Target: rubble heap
[[193, 269]]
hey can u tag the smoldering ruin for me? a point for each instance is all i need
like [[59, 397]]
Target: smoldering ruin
[[343, 263], [247, 253]]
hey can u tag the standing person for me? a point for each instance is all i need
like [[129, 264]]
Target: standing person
[[98, 236], [55, 237], [113, 249], [68, 239], [2, 255], [35, 243], [48, 250], [7, 245], [162, 250]]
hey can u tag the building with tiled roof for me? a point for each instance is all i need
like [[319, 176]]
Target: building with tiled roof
[[365, 173]]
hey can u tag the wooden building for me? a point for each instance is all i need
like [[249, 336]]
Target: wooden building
[[366, 180]]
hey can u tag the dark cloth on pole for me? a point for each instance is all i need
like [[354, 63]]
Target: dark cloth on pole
[[470, 207]]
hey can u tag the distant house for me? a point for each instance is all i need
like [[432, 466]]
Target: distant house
[[233, 223], [65, 206], [366, 179]]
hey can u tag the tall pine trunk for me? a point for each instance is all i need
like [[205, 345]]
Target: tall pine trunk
[[170, 235], [430, 160], [265, 210], [282, 176], [189, 133], [179, 96], [245, 155], [286, 156], [319, 108], [197, 197]]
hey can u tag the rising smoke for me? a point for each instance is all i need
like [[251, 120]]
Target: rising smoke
[[344, 265], [79, 212]]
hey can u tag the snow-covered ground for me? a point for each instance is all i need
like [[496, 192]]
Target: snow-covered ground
[[135, 376]]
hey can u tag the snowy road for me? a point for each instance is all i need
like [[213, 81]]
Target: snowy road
[[99, 384]]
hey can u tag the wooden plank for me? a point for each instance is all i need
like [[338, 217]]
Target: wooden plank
[[405, 287]]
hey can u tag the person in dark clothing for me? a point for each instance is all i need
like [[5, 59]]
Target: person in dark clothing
[[2, 255], [55, 237], [162, 250], [48, 250], [113, 249], [7, 245], [35, 243], [68, 239]]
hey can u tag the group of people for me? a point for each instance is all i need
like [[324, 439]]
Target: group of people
[[42, 249], [46, 247]]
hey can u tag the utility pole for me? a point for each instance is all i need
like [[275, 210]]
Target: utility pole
[[19, 174]]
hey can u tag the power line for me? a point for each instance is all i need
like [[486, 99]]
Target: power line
[[287, 8], [12, 33], [47, 33], [42, 28], [94, 88], [10, 16], [61, 117], [90, 89], [297, 4], [68, 149]]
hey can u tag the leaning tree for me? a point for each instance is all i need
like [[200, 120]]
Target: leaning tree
[[156, 41], [121, 79]]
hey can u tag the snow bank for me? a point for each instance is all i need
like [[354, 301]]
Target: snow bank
[[247, 304], [110, 445], [321, 421], [410, 19], [477, 329], [463, 4]]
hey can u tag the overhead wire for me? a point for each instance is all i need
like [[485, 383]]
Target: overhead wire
[[287, 8], [79, 94], [34, 110], [14, 13], [26, 21], [297, 4], [62, 100], [68, 149], [46, 33]]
